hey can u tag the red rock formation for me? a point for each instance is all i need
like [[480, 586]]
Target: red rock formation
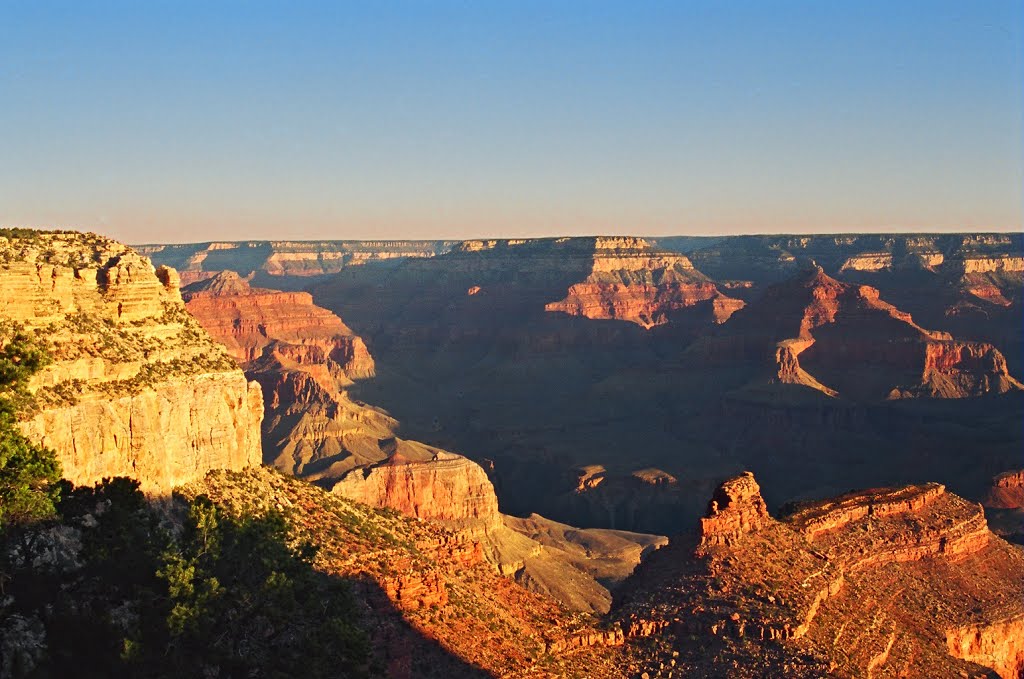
[[819, 517], [304, 357], [957, 369], [631, 281], [438, 486], [247, 319], [736, 508], [1007, 491], [843, 340], [998, 645], [900, 581]]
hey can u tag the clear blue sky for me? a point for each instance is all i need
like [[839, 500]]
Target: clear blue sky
[[179, 121]]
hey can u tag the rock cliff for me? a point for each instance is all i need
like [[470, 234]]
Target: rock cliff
[[735, 509], [247, 319], [430, 484], [136, 387], [1007, 491], [306, 358], [430, 605], [576, 567]]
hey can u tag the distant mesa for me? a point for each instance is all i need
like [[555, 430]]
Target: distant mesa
[[1007, 491], [629, 280], [286, 258]]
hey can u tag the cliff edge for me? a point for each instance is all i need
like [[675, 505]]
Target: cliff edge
[[136, 387]]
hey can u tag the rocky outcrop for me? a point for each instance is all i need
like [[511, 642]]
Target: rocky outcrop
[[735, 509], [430, 605], [859, 584], [247, 319], [998, 645], [574, 566], [1007, 491], [136, 387], [171, 432], [842, 340], [443, 487], [828, 515], [955, 369], [631, 281]]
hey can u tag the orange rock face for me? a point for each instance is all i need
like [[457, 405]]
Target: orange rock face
[[887, 582], [843, 340], [136, 387], [444, 487], [247, 319], [1007, 491], [643, 304], [630, 281], [735, 509]]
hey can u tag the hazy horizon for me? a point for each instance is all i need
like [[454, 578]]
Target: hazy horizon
[[191, 122], [780, 234]]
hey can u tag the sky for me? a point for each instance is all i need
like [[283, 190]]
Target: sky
[[193, 121]]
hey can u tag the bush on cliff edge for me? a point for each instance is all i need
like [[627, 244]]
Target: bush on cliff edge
[[28, 473]]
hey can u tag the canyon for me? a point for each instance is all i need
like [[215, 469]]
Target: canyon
[[542, 359], [605, 382], [306, 359]]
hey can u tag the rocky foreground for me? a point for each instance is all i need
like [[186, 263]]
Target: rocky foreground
[[900, 582], [904, 582]]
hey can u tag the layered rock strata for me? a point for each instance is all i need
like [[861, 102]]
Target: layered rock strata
[[305, 358], [1007, 491], [843, 340], [736, 508], [136, 387], [631, 281], [887, 582], [200, 261], [574, 566], [443, 487]]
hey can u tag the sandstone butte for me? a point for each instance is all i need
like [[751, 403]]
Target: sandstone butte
[[629, 280], [305, 358], [136, 387], [905, 582], [840, 339], [1004, 502]]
